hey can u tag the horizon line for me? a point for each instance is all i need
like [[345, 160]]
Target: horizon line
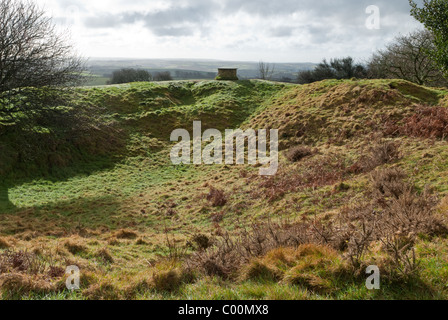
[[196, 59]]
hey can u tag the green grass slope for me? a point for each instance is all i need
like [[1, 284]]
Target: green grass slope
[[103, 194]]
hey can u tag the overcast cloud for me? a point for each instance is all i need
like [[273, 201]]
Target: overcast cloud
[[269, 30]]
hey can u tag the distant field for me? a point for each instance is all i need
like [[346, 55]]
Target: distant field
[[102, 69], [96, 80]]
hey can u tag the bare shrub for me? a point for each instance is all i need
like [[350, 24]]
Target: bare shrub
[[200, 242], [221, 260], [356, 231], [388, 183], [29, 263], [217, 197], [427, 122], [230, 253], [175, 252], [315, 173], [397, 215], [382, 152]]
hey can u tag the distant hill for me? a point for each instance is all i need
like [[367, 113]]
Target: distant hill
[[180, 69]]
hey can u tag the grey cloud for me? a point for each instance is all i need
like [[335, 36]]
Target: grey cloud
[[281, 32], [173, 31], [104, 20], [175, 21], [325, 21]]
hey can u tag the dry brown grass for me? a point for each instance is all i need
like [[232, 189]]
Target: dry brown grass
[[315, 173], [126, 234], [22, 273], [170, 275], [310, 266], [141, 242], [75, 246], [4, 244], [104, 290], [380, 153], [393, 214], [230, 253], [169, 280], [17, 285], [217, 197], [297, 153], [26, 262], [395, 217], [314, 268], [104, 255], [113, 241], [427, 122]]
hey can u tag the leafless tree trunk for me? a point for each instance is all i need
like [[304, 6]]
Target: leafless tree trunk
[[266, 70]]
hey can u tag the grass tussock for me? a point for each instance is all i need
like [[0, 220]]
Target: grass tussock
[[4, 244], [104, 255], [75, 246], [313, 267], [104, 290], [125, 234], [170, 275], [17, 285], [23, 273], [297, 153]]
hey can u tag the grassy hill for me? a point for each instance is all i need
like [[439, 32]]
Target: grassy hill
[[362, 181]]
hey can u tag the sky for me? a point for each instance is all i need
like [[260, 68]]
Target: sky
[[234, 30]]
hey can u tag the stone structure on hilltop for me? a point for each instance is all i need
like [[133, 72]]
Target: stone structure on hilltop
[[227, 74]]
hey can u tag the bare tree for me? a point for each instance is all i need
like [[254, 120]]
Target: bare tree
[[32, 53], [266, 70], [407, 58]]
